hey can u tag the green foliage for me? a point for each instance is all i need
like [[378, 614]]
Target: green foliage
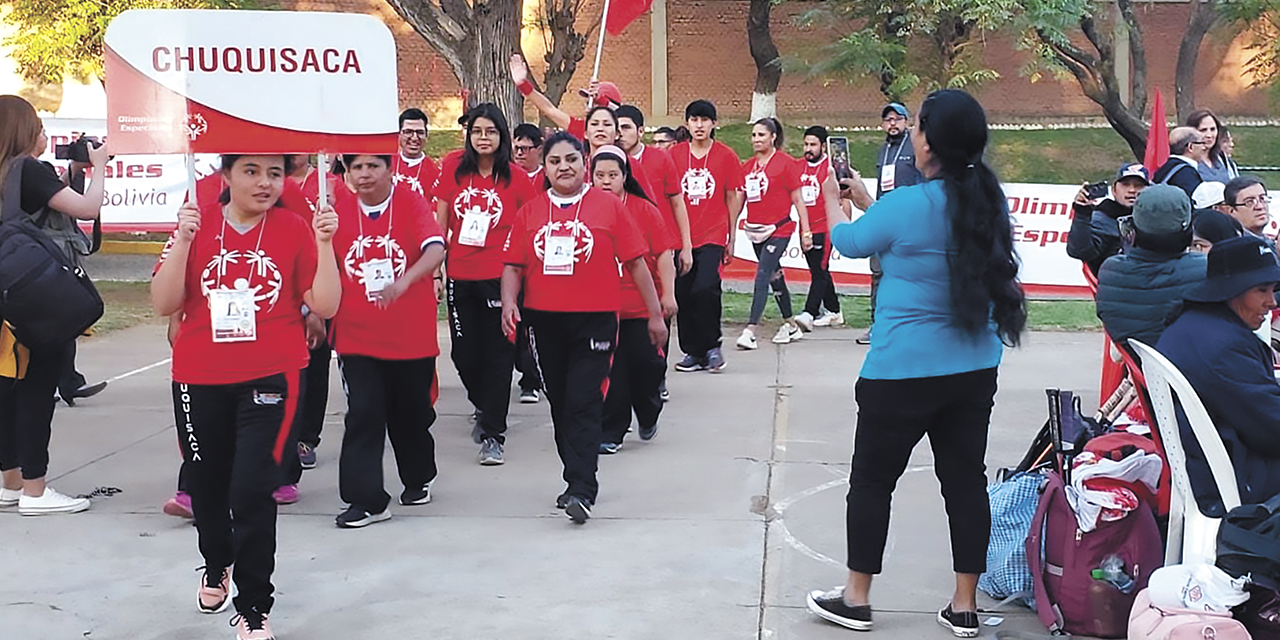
[[1260, 22], [56, 39]]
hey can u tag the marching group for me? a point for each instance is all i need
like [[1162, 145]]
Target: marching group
[[565, 256]]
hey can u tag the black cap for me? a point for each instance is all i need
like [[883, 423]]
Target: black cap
[[1235, 266]]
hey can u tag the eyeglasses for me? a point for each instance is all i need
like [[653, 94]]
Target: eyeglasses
[[894, 120], [1252, 202], [421, 133], [523, 148]]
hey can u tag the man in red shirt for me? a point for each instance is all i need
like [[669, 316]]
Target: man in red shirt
[[599, 94], [711, 181], [388, 245], [822, 290], [413, 167]]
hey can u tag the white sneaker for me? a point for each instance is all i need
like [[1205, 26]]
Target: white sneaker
[[49, 503], [787, 333], [805, 321], [747, 341], [9, 497], [827, 319]]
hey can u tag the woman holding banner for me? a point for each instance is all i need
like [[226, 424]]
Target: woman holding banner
[[237, 270], [563, 251], [29, 376], [771, 183], [477, 196]]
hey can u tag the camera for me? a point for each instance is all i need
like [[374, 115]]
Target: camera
[[77, 151], [1097, 190]]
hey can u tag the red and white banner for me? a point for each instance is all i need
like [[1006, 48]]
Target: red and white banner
[[227, 81]]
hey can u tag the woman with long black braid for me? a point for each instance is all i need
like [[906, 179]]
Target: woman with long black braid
[[949, 302]]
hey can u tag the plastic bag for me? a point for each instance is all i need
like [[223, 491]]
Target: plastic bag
[[1200, 587]]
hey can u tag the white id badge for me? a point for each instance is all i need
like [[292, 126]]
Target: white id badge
[[557, 256], [233, 315], [887, 173], [810, 194], [698, 187], [474, 230], [378, 275], [754, 187]]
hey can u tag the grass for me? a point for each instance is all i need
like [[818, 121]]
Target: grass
[[127, 304], [1048, 315]]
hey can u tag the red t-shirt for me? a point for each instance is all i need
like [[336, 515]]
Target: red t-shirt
[[310, 188], [663, 182], [811, 179], [536, 178], [407, 329], [778, 178], [602, 238], [719, 173], [657, 238], [498, 203], [419, 177], [577, 127], [277, 259], [210, 187]]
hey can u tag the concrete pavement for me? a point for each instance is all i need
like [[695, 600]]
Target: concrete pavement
[[715, 529]]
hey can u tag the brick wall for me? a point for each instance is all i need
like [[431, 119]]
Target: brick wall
[[708, 57]]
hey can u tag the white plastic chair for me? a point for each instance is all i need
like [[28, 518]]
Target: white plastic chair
[[1192, 535]]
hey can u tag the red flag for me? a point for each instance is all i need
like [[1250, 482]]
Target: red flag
[[1157, 137], [621, 13]]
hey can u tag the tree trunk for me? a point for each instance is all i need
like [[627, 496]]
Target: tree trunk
[[476, 41], [566, 48], [1204, 16], [764, 96]]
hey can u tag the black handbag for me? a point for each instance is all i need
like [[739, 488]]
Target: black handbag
[[44, 297], [1249, 542]]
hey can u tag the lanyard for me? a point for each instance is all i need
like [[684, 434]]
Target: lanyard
[[417, 174], [385, 212], [577, 211], [760, 169], [896, 154], [222, 243]]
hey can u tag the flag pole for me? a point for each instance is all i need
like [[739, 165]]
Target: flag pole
[[595, 71], [322, 179], [191, 178]]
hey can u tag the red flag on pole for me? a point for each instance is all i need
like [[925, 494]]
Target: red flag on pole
[[622, 13], [1157, 137]]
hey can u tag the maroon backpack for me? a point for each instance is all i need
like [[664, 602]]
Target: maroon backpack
[[1062, 559]]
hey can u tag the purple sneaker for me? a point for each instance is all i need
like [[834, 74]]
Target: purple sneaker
[[286, 494], [179, 506]]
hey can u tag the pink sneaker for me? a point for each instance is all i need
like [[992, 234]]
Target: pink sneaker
[[215, 591], [179, 505], [286, 494], [252, 627]]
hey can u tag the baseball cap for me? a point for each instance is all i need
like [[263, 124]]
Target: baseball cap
[[1208, 194], [606, 93], [1132, 170], [1162, 208], [895, 107]]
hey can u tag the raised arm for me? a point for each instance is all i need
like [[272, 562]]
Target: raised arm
[[520, 76]]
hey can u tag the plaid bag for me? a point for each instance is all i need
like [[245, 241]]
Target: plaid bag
[[1013, 507]]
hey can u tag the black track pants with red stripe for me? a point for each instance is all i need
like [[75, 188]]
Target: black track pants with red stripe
[[233, 437], [573, 352]]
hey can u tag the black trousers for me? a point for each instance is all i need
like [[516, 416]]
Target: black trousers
[[634, 380], [386, 399], [955, 411], [26, 412], [573, 353], [525, 364], [310, 419], [481, 352], [822, 290], [233, 439], [698, 297], [71, 380]]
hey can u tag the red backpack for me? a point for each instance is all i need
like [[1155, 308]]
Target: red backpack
[[1062, 559]]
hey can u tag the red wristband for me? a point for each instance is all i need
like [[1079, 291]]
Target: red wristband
[[525, 87]]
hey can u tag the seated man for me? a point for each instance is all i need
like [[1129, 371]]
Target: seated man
[[1138, 289], [1212, 343], [1094, 235]]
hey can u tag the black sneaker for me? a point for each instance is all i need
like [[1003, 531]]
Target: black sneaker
[[830, 606], [491, 452], [477, 432], [715, 360], [610, 448], [648, 433], [355, 517], [663, 393], [578, 509], [306, 455], [963, 624], [412, 497], [691, 363], [562, 500]]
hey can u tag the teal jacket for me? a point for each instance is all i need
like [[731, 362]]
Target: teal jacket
[[1140, 289]]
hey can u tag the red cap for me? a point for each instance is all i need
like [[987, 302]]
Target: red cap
[[607, 92]]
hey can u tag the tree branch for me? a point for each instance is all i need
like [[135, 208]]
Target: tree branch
[[445, 34], [1204, 15], [1138, 58]]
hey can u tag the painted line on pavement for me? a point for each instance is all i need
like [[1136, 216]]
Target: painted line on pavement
[[140, 370]]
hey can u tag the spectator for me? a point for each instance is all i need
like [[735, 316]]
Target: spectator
[[1228, 146], [1210, 195], [1213, 344], [1216, 166], [1095, 234], [1187, 152], [1138, 289], [1209, 227], [1250, 205]]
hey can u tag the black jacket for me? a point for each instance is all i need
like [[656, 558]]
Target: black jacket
[[1095, 235], [1171, 172]]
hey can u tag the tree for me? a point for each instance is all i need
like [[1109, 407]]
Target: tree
[[57, 39], [565, 46], [764, 95], [476, 40]]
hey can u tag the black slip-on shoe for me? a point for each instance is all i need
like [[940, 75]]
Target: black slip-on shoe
[[830, 606], [963, 624]]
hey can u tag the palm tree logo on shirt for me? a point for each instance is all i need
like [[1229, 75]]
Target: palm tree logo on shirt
[[586, 241], [413, 182], [263, 277], [697, 181], [365, 248], [484, 202]]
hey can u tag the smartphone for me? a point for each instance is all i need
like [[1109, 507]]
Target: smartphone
[[838, 149], [1097, 190]]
